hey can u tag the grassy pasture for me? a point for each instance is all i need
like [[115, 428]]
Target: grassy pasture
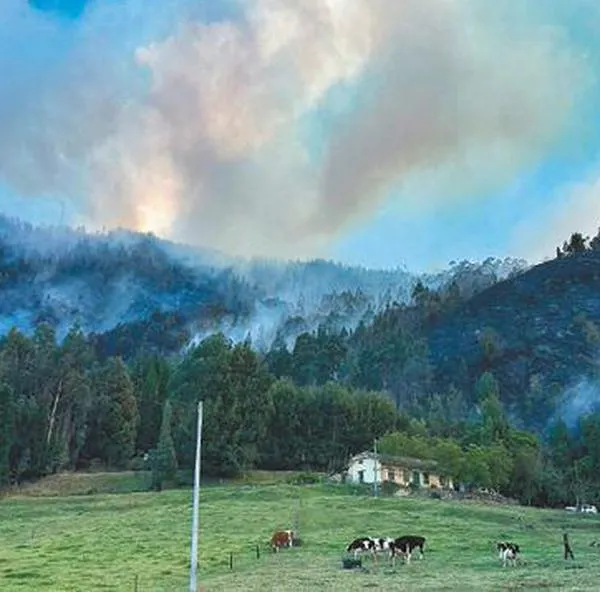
[[103, 541]]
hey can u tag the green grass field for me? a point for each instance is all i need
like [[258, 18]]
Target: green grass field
[[104, 541]]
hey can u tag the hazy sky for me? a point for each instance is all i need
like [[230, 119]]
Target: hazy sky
[[384, 133]]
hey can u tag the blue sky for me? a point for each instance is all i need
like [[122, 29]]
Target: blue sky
[[364, 173], [64, 8], [483, 229]]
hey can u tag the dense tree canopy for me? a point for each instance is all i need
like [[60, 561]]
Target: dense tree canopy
[[62, 408]]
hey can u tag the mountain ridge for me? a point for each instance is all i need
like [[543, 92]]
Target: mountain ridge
[[64, 276]]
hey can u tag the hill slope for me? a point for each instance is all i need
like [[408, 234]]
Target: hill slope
[[536, 332], [62, 276], [147, 287], [114, 538]]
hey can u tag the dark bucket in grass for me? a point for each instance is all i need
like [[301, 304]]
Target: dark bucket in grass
[[296, 542], [351, 563]]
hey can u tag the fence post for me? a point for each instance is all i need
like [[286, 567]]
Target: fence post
[[297, 518], [257, 552], [567, 546], [135, 583]]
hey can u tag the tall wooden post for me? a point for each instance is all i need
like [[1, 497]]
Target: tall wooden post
[[297, 519]]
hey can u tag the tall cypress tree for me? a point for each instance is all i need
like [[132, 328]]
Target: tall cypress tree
[[114, 417], [7, 429], [164, 460]]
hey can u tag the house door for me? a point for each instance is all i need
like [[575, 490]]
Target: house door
[[416, 479], [361, 476]]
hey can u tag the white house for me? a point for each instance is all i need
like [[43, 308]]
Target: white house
[[404, 471], [364, 468]]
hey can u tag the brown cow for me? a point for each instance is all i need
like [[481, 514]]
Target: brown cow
[[282, 538]]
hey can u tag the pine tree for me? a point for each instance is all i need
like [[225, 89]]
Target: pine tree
[[150, 405], [114, 417], [163, 459], [7, 417]]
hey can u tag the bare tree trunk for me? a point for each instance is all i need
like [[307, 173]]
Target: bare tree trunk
[[52, 419]]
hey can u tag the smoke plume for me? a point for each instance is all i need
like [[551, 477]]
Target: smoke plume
[[578, 401], [270, 131]]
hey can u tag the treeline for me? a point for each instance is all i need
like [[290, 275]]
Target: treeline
[[61, 408], [509, 462], [574, 459], [390, 353], [486, 451], [578, 243]]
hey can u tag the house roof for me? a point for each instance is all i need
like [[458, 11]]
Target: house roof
[[404, 462]]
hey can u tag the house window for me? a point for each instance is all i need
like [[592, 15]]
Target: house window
[[391, 476], [361, 476], [426, 478]]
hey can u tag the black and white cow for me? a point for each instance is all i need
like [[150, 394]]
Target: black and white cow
[[405, 545], [508, 553], [371, 545], [384, 545], [360, 545]]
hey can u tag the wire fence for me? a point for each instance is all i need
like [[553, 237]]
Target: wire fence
[[218, 564]]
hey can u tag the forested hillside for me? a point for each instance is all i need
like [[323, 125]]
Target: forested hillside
[[539, 333], [62, 408], [111, 339], [135, 291]]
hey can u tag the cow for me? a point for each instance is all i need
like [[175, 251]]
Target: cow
[[282, 538], [371, 545], [360, 545], [508, 553], [405, 545], [383, 545]]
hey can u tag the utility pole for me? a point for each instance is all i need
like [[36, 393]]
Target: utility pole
[[196, 502], [375, 485]]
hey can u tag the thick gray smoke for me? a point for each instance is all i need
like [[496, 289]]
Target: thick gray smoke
[[269, 133]]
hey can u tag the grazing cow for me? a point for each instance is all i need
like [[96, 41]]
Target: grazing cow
[[371, 545], [282, 538], [360, 545], [508, 553], [405, 545], [382, 545]]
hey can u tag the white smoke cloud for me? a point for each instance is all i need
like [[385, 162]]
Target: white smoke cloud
[[199, 131], [578, 401]]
